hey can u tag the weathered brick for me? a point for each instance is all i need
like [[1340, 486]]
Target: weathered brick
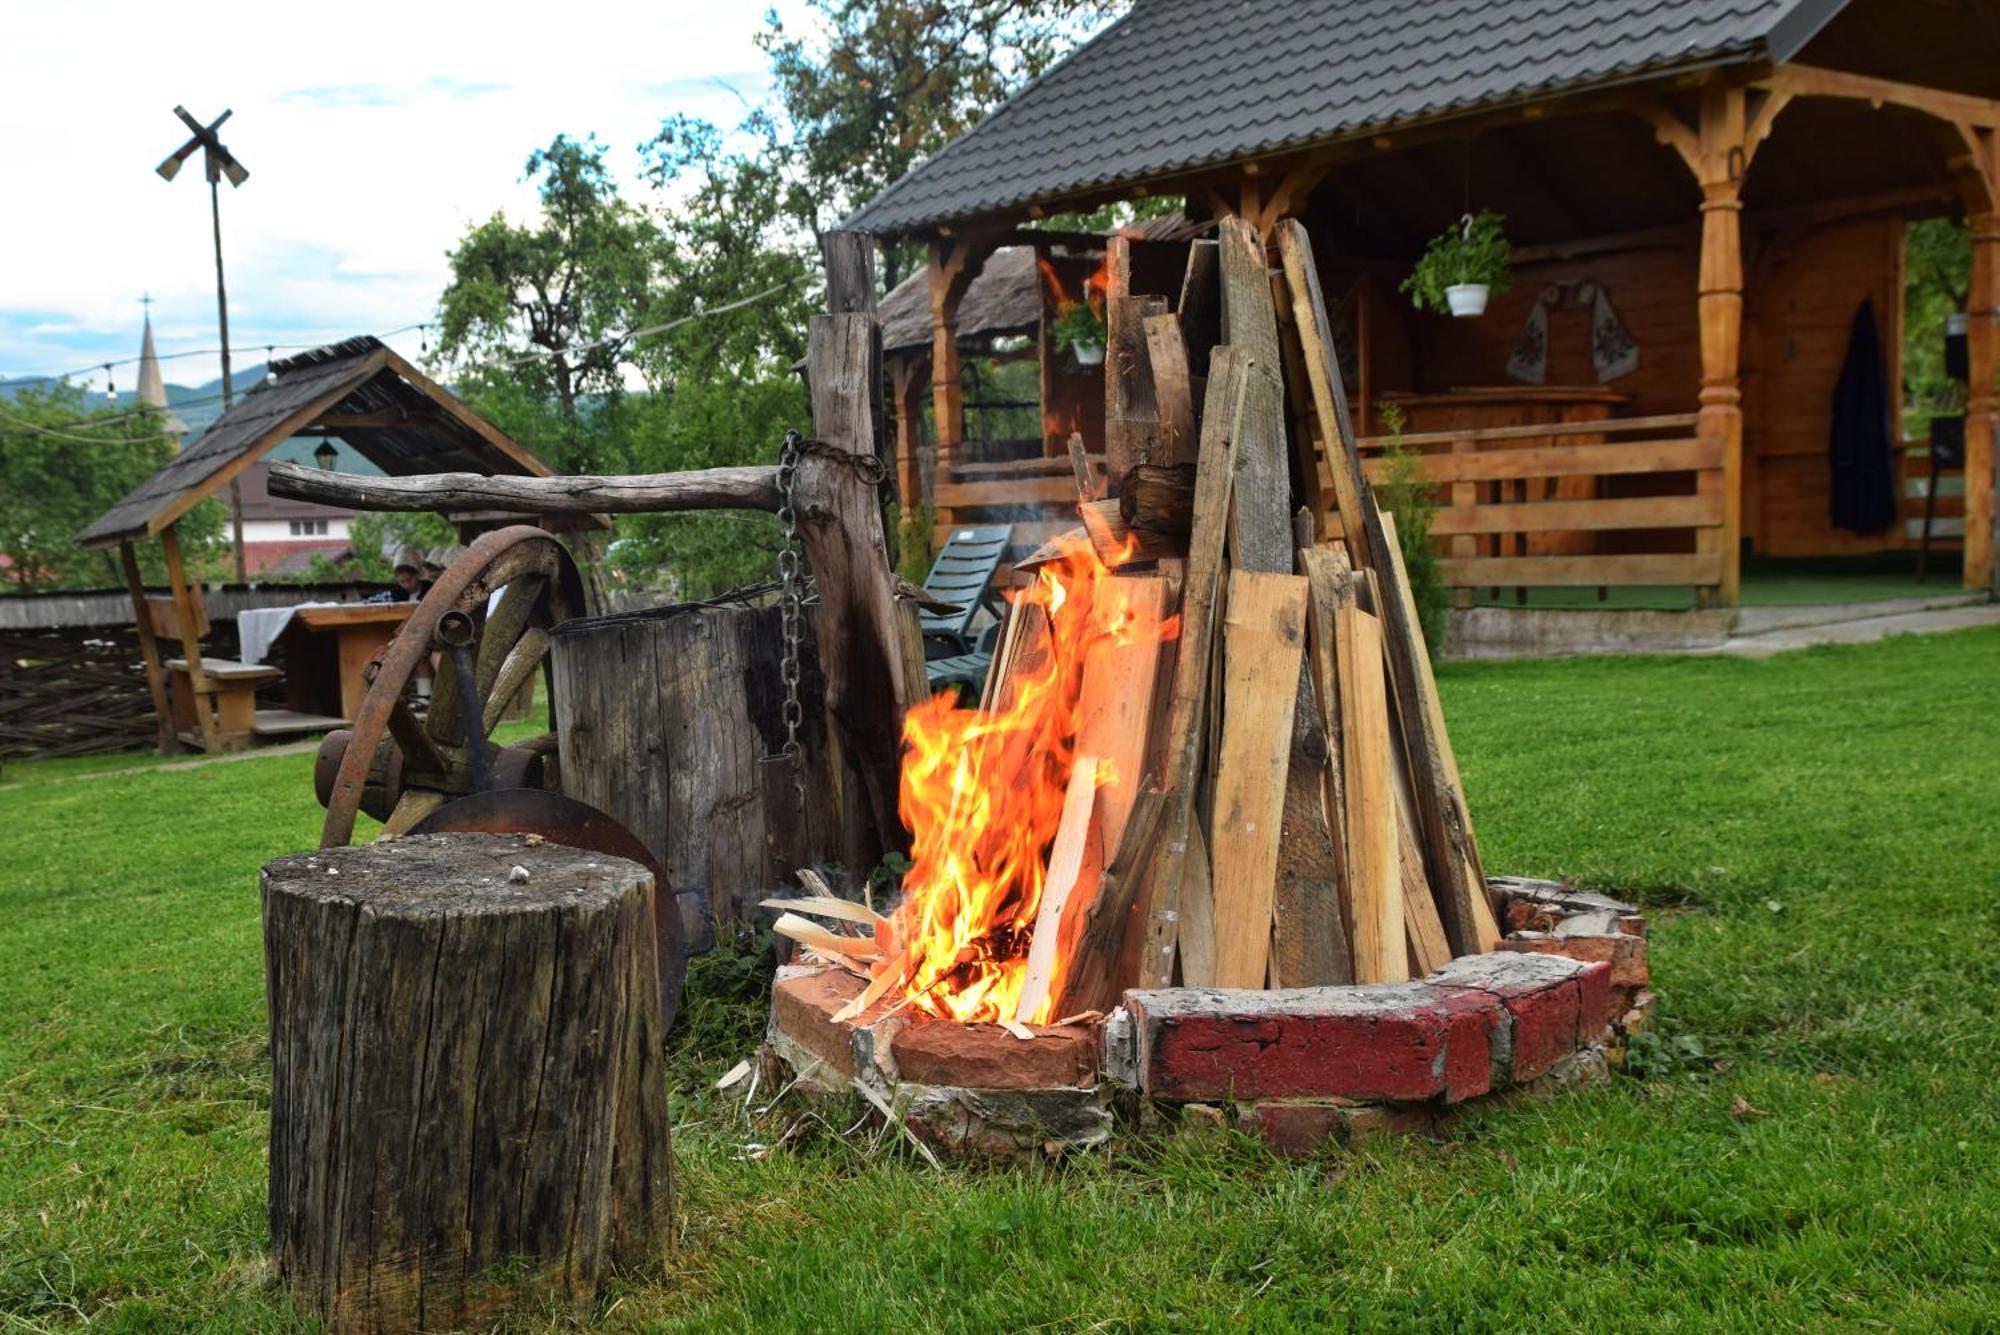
[[803, 1004], [985, 1056], [1359, 1125], [1381, 1042], [1295, 1128], [1626, 954], [1543, 995], [1473, 1020]]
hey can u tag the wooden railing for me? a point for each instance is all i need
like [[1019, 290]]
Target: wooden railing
[[1036, 496], [1561, 503]]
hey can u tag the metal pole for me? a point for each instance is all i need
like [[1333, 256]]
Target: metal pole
[[222, 318]]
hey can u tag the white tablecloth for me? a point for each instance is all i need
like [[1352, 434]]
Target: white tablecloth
[[258, 628]]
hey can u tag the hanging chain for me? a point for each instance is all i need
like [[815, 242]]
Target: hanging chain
[[791, 581]]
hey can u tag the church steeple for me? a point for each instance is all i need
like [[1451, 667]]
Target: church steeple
[[152, 385]]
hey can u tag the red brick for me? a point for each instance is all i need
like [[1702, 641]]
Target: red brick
[[1470, 1021], [1295, 1130], [1380, 1042], [1360, 1125], [1625, 953], [1545, 1028], [1597, 1004], [985, 1056], [803, 1006]]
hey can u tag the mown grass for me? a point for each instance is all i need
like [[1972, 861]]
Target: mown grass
[[1813, 1144]]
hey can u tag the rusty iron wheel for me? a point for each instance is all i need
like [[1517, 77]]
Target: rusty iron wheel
[[400, 766]]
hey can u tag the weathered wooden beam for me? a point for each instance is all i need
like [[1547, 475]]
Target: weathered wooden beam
[[749, 488]]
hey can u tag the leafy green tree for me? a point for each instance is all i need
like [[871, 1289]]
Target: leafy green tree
[[61, 466], [550, 305], [883, 84], [1937, 278]]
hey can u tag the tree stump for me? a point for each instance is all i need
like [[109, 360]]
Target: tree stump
[[468, 1100], [671, 721]]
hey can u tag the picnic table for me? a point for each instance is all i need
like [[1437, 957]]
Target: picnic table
[[327, 648]]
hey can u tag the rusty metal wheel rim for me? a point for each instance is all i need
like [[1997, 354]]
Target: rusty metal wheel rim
[[493, 561]]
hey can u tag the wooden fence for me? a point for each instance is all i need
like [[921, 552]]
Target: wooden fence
[[1617, 502]]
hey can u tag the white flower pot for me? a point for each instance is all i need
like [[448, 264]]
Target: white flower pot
[[1088, 354], [1466, 299]]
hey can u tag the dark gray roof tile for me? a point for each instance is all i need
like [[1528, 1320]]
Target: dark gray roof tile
[[1177, 85]]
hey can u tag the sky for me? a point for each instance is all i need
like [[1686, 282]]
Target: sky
[[374, 134]]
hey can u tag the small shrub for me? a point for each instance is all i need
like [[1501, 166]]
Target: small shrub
[[1409, 498], [1078, 326]]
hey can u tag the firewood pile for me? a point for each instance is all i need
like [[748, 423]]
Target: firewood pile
[[1210, 751]]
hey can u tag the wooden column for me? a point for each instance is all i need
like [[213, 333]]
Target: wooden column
[[1982, 409], [906, 374], [187, 612], [953, 263], [468, 1096], [1720, 313], [149, 649]]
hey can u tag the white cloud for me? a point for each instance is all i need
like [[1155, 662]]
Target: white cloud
[[374, 133]]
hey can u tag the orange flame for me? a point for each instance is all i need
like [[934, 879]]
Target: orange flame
[[982, 795]]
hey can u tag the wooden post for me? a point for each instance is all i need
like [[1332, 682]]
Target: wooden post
[[1720, 313], [468, 1102], [953, 266], [907, 377], [149, 649], [1982, 409], [187, 612], [871, 651]]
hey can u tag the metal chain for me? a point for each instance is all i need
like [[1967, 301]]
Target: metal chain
[[791, 581]]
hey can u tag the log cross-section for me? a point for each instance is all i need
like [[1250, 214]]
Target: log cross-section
[[468, 1104]]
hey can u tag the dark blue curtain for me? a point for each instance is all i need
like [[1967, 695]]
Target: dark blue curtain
[[1861, 449]]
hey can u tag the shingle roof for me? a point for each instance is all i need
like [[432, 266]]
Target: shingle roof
[[433, 433], [1178, 85]]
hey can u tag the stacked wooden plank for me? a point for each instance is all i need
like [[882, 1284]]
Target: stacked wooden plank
[[1263, 792]]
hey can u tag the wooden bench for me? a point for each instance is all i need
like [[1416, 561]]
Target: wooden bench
[[226, 687]]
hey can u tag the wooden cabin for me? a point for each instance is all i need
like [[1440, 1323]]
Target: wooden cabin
[[1727, 184]]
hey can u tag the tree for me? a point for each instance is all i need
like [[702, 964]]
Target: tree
[[1937, 279], [887, 83], [61, 466], [549, 306]]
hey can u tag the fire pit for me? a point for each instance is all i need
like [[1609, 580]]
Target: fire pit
[[1298, 1067], [1202, 841]]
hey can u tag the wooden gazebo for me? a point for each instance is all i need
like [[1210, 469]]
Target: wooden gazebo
[[1735, 179], [358, 390]]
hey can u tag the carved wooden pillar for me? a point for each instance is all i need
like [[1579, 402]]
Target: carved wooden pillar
[[1982, 408], [1722, 159]]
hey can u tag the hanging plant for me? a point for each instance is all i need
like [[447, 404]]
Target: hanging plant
[[1462, 266], [1079, 330]]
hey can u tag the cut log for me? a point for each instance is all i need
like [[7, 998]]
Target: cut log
[[1096, 977], [1115, 703], [871, 649], [1089, 486], [1173, 391], [1187, 717], [1264, 643], [1486, 925], [1199, 310], [752, 488], [1075, 859], [468, 1102], [1118, 543], [1260, 531], [1374, 876], [668, 721], [1441, 835], [1159, 498]]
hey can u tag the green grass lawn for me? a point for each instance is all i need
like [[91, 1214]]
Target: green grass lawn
[[1814, 1143]]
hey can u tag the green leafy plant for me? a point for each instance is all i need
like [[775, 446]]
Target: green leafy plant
[[1471, 250], [1405, 495], [1077, 326]]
